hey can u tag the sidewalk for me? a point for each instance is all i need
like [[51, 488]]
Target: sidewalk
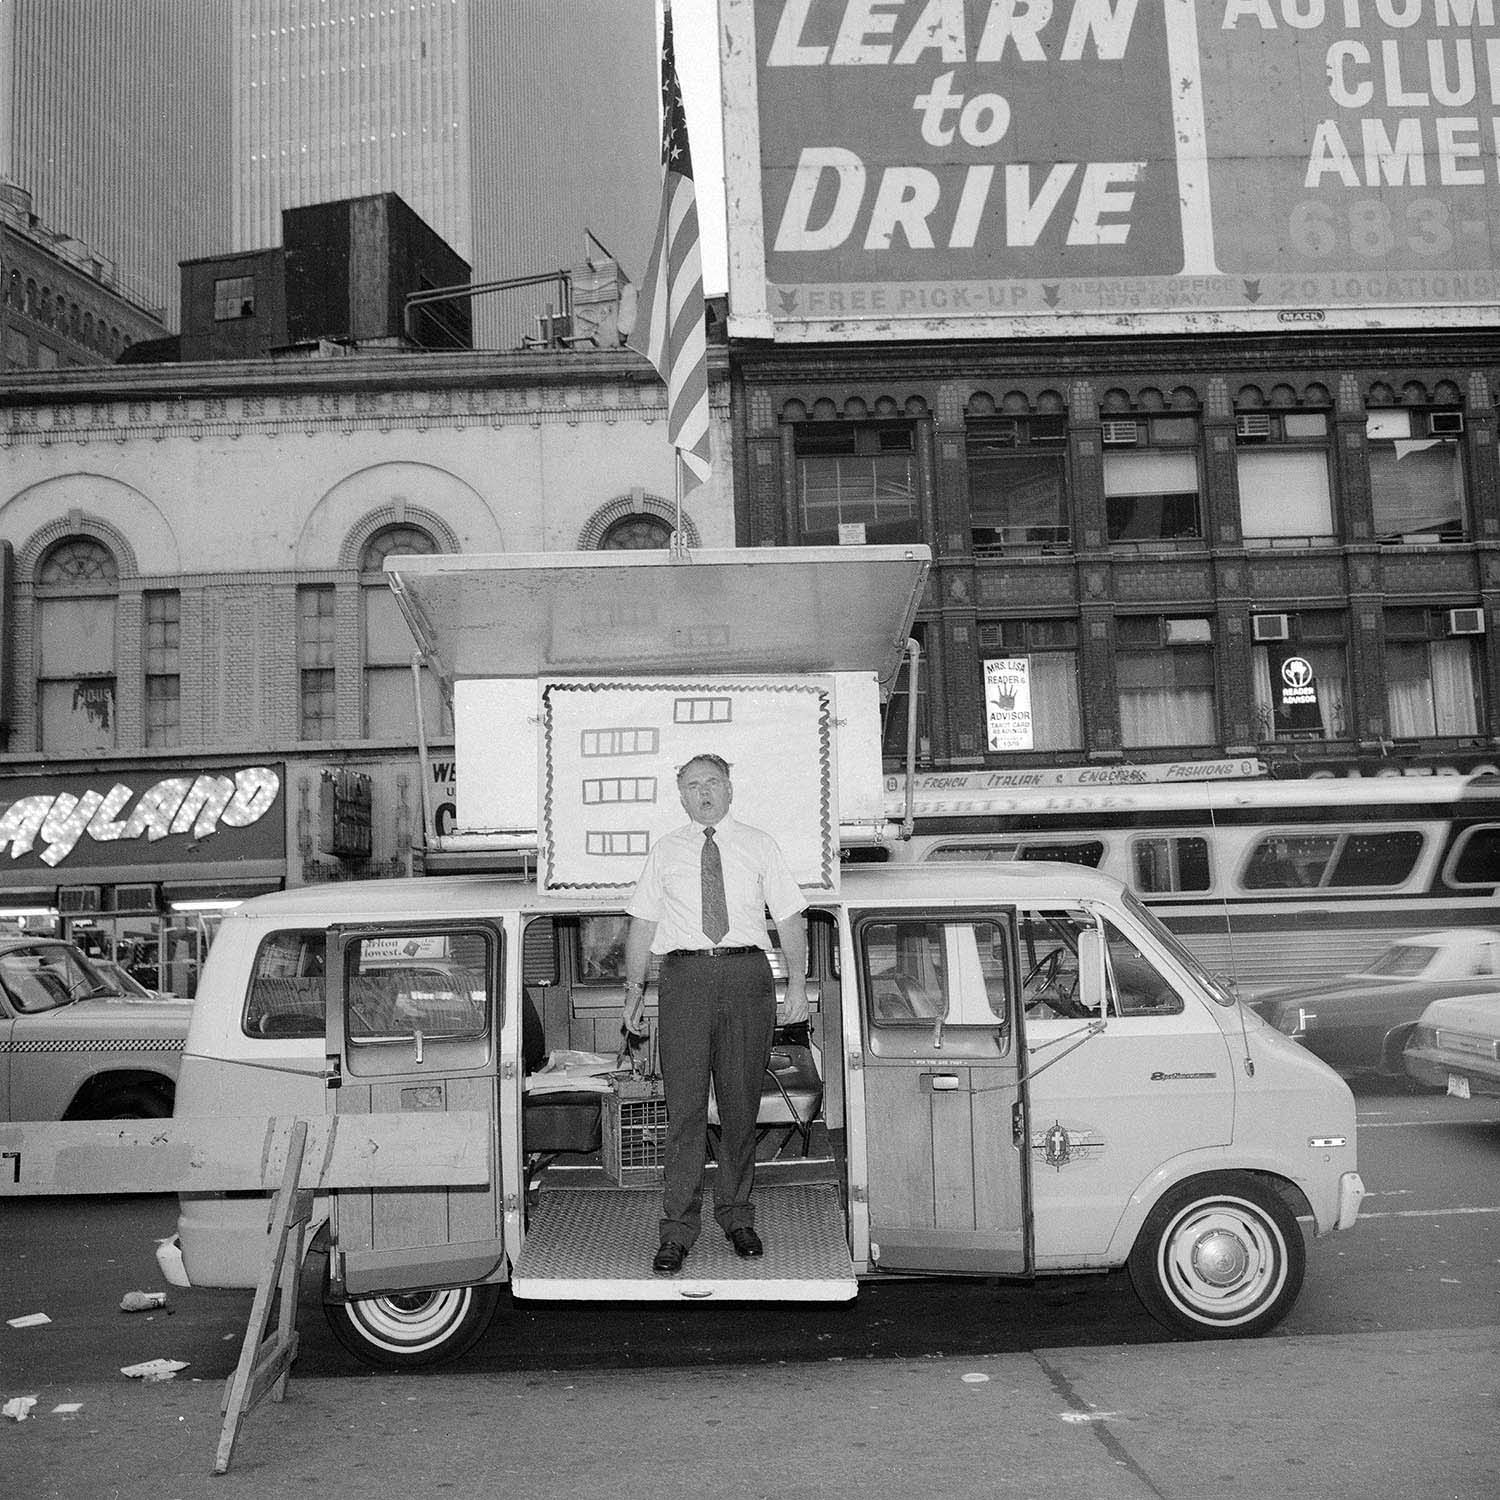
[[1351, 1417]]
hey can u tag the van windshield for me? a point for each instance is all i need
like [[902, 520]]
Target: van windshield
[[1217, 989]]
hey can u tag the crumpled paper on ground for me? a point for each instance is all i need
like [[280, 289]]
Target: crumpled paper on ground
[[134, 1302], [18, 1408], [154, 1369]]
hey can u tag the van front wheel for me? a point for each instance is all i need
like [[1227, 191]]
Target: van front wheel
[[1220, 1257], [406, 1330]]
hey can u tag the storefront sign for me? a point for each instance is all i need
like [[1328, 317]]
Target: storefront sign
[[1007, 702], [202, 816], [985, 168]]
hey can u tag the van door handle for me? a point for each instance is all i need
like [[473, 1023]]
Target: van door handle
[[942, 1083], [334, 1074]]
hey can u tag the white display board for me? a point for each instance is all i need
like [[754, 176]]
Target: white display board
[[611, 750]]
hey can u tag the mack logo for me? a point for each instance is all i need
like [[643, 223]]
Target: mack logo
[[194, 805], [1170, 1077]]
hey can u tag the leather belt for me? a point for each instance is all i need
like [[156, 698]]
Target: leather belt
[[713, 952]]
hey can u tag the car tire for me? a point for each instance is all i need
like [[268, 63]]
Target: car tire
[[1219, 1257], [409, 1330]]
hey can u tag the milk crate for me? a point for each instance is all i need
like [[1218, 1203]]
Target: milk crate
[[635, 1132]]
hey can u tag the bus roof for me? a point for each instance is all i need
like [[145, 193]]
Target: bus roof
[[730, 612]]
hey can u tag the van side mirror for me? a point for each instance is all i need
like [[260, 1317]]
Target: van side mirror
[[1091, 971]]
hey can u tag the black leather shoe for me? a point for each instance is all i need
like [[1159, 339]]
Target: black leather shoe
[[669, 1258], [746, 1243]]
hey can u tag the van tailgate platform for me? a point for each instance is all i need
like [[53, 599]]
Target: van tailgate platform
[[596, 1244]]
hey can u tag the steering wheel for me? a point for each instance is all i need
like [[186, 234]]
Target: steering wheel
[[1052, 989]]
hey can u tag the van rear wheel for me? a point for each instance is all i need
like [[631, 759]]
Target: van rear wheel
[[1220, 1257], [407, 1330]]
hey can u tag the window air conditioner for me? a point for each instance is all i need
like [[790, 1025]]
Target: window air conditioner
[[1121, 434], [1445, 423], [1465, 622], [1269, 628], [1252, 425]]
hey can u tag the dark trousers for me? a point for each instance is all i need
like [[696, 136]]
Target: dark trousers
[[716, 1018]]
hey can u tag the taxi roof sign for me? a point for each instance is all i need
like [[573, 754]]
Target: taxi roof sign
[[731, 612]]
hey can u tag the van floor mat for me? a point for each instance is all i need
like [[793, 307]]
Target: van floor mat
[[596, 1244]]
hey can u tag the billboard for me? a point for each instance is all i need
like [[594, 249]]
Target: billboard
[[986, 168]]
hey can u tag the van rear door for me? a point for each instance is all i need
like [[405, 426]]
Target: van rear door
[[413, 1015]]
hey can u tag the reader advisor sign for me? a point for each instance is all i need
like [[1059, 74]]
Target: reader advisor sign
[[959, 160]]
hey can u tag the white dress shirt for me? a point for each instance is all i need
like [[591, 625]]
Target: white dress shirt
[[756, 877]]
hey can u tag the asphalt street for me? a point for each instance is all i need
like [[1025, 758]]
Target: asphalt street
[[1383, 1382]]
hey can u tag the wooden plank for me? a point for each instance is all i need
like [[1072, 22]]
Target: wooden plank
[[211, 1154]]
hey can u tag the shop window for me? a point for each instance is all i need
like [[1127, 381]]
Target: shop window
[[234, 297], [1300, 675], [163, 622], [1282, 462], [1432, 677], [1416, 475], [315, 654], [1017, 486], [1046, 657], [893, 738], [1164, 675], [1151, 487], [390, 708], [856, 482], [76, 605]]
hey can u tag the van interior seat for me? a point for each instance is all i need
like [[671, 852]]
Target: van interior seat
[[553, 1123]]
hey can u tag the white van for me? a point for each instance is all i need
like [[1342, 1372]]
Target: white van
[[1022, 1072], [1010, 1070]]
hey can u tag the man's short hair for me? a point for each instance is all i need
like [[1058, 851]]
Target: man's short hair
[[716, 761]]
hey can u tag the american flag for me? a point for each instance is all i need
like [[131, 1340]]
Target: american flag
[[669, 307]]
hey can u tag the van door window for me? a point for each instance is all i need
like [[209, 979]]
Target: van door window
[[1137, 986], [920, 972], [286, 995], [406, 994]]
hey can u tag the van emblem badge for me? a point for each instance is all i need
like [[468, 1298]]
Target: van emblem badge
[[1058, 1146]]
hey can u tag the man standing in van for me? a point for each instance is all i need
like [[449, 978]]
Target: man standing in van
[[700, 905]]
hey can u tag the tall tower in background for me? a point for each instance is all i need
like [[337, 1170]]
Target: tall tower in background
[[161, 130], [112, 116], [510, 126]]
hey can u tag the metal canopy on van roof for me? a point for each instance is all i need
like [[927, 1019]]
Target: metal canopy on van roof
[[741, 611]]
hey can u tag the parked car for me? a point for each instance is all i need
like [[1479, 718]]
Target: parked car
[[77, 1044], [1455, 1045], [1360, 1022]]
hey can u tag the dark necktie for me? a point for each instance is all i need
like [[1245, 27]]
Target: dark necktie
[[715, 909]]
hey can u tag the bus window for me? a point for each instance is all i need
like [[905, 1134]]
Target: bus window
[[1294, 861], [1170, 864], [1088, 852], [1476, 860], [1377, 858]]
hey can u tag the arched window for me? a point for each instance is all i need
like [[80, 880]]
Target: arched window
[[78, 585], [390, 711], [636, 533]]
